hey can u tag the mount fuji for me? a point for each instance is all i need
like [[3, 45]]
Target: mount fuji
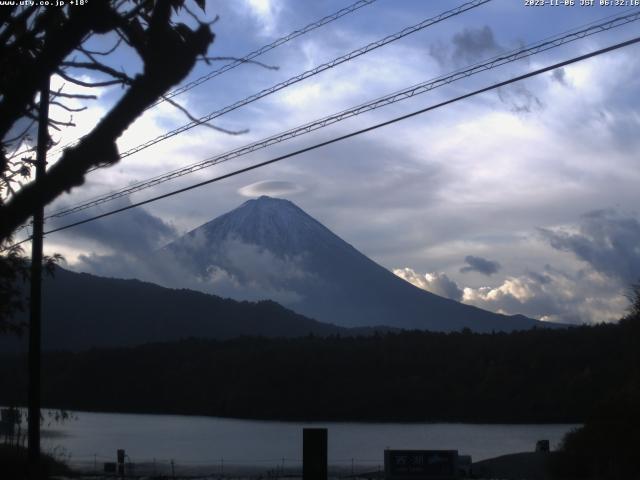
[[273, 246]]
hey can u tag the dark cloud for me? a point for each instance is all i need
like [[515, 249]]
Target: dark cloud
[[481, 265], [542, 279], [519, 98], [134, 230], [560, 76], [469, 46], [606, 240], [473, 44], [442, 285]]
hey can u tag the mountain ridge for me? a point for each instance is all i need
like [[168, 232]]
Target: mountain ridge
[[333, 289], [329, 279], [82, 311]]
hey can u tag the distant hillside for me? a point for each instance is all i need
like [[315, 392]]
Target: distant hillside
[[327, 278], [82, 311]]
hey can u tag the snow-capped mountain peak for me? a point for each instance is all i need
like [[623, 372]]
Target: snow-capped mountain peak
[[272, 245]]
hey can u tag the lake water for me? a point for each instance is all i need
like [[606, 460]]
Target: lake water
[[220, 442]]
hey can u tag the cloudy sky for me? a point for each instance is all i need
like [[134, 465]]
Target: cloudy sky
[[521, 200]]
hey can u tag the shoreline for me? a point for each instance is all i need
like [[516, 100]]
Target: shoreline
[[381, 421], [523, 465]]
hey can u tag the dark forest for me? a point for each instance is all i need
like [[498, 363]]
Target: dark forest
[[539, 375]]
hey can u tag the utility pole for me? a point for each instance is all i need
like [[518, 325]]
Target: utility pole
[[35, 300]]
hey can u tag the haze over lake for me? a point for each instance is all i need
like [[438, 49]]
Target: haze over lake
[[190, 440]]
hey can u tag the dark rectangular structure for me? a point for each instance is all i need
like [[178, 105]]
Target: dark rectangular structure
[[421, 464], [314, 454]]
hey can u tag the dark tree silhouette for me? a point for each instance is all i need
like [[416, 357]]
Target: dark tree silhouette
[[13, 269], [38, 42], [633, 313], [606, 446]]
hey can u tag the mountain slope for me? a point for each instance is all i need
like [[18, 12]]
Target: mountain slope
[[83, 311], [325, 277]]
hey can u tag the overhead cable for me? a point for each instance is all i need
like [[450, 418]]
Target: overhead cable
[[309, 73], [404, 94], [254, 54], [266, 48], [344, 137]]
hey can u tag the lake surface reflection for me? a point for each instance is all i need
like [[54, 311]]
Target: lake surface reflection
[[217, 441]]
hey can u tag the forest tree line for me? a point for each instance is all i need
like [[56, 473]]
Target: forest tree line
[[540, 375]]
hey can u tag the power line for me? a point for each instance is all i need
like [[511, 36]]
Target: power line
[[404, 94], [349, 135], [254, 54], [309, 73], [290, 36]]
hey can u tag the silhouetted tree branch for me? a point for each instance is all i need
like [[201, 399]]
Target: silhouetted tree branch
[[36, 43], [39, 42], [206, 124]]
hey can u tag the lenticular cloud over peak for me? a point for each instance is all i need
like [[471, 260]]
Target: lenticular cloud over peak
[[274, 188]]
